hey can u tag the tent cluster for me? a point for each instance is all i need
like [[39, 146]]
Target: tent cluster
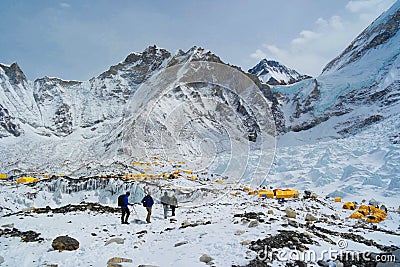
[[28, 179], [371, 214], [276, 193]]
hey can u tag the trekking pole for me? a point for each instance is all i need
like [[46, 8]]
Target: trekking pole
[[137, 216]]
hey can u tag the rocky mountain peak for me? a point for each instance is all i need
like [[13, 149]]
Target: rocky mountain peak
[[274, 73], [14, 73]]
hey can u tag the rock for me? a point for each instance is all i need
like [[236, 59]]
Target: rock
[[65, 243], [239, 232], [253, 224], [307, 234], [114, 262], [245, 242], [146, 265], [1, 259], [185, 223], [328, 240], [205, 258], [8, 225], [210, 263], [311, 218], [290, 213], [51, 265], [271, 212], [293, 223], [181, 243], [117, 240], [335, 217], [245, 220], [296, 239]]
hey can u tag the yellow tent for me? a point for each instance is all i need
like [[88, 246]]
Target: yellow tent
[[246, 188], [27, 180], [219, 181], [253, 192], [265, 193], [188, 172], [338, 199], [3, 176], [349, 206], [357, 215], [193, 177], [287, 193]]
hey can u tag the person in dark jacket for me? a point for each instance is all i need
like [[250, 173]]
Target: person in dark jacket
[[173, 204], [148, 203], [125, 209]]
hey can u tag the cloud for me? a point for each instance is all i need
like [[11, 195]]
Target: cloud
[[313, 48], [258, 54], [65, 5]]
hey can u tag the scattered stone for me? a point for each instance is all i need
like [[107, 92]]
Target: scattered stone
[[271, 212], [210, 263], [253, 224], [114, 262], [328, 240], [245, 220], [142, 232], [93, 234], [245, 242], [8, 225], [239, 232], [117, 240], [61, 243], [146, 265], [293, 223], [28, 236], [296, 239], [181, 243], [1, 259], [205, 258], [186, 224], [290, 213], [51, 265], [311, 218]]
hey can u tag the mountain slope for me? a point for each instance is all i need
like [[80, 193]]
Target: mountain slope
[[341, 128], [274, 73]]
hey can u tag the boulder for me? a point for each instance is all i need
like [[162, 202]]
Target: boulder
[[205, 258], [239, 232], [271, 212], [1, 259], [311, 218], [253, 224], [290, 213], [293, 223], [117, 240], [245, 242], [65, 243], [115, 262]]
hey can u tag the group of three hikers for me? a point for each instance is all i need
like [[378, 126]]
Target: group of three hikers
[[148, 202]]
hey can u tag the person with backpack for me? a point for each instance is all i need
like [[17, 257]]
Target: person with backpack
[[123, 202], [173, 204], [148, 202], [165, 202]]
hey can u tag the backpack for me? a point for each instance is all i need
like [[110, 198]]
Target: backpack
[[121, 201]]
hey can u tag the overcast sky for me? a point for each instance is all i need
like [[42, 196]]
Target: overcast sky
[[80, 39]]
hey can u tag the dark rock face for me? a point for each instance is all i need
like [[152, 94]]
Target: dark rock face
[[63, 120], [65, 243], [14, 73], [8, 123]]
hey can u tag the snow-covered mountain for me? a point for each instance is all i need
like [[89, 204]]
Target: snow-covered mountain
[[341, 128], [74, 127], [274, 73]]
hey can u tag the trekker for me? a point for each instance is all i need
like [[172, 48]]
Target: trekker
[[165, 202], [125, 209], [148, 203], [173, 204]]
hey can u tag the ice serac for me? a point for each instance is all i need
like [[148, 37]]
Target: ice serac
[[352, 111], [274, 73]]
